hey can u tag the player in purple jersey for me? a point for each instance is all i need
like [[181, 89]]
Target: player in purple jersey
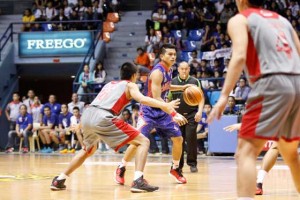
[[157, 87], [269, 48], [100, 121]]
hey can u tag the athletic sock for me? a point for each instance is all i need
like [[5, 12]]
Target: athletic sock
[[175, 164], [261, 175], [62, 176], [123, 163], [137, 175]]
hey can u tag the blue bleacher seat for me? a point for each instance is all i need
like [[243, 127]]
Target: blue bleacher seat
[[196, 35], [185, 56], [47, 27], [190, 45], [214, 97], [177, 34]]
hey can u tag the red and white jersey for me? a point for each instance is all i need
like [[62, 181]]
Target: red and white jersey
[[112, 97], [271, 47]]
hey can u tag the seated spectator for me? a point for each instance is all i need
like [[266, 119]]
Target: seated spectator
[[242, 91], [99, 76], [202, 128], [126, 116], [76, 130], [151, 41], [231, 108], [23, 129], [85, 79], [12, 111], [67, 9], [207, 39], [226, 14], [76, 103], [167, 34], [142, 61], [64, 124], [50, 11], [90, 15], [74, 25], [60, 17], [38, 11], [80, 9], [47, 129], [27, 17], [159, 19], [53, 105], [29, 101], [194, 59], [56, 4], [175, 19], [73, 3], [37, 27], [98, 10]]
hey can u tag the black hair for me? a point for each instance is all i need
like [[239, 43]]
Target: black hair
[[195, 51], [76, 108], [96, 67], [23, 105], [163, 48], [127, 71], [135, 106], [256, 3], [17, 93], [47, 107]]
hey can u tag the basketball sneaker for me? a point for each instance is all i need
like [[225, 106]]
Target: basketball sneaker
[[141, 185], [119, 175], [71, 151], [25, 150], [177, 175], [58, 184], [64, 151], [9, 150], [259, 189]]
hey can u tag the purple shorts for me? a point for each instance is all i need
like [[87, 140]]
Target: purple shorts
[[150, 118]]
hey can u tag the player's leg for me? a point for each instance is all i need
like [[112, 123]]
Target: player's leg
[[288, 151], [183, 133], [246, 155], [268, 162], [77, 161], [191, 144], [175, 171]]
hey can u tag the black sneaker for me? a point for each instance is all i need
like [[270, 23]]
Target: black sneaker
[[58, 184], [193, 169], [141, 185]]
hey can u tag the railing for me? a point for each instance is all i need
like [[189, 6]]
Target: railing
[[4, 39]]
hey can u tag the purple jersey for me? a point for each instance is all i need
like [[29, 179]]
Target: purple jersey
[[165, 85]]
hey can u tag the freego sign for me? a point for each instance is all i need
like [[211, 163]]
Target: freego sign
[[39, 44]]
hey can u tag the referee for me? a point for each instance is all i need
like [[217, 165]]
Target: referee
[[192, 113]]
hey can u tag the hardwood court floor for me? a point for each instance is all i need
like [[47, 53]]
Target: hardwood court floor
[[29, 176]]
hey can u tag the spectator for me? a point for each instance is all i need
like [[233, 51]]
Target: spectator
[[159, 19], [135, 114], [60, 17], [73, 3], [202, 129], [27, 17], [194, 60], [85, 79], [151, 40], [76, 129], [80, 9], [226, 14], [76, 103], [36, 108], [126, 116], [207, 39], [38, 11], [175, 19], [55, 107], [98, 10], [12, 111], [74, 25], [67, 9], [90, 15], [294, 7], [29, 101], [231, 108], [167, 34], [37, 26], [23, 129], [99, 76], [64, 124], [50, 11], [242, 91], [142, 61], [49, 123]]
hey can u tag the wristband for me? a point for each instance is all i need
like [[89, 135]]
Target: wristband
[[173, 113]]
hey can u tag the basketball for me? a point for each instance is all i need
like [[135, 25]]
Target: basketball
[[192, 95]]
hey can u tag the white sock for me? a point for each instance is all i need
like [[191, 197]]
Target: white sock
[[245, 198], [137, 175], [261, 175], [123, 163], [175, 164], [62, 176]]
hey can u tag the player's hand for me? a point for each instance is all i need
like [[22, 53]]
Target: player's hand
[[187, 85], [169, 107], [233, 127], [217, 110], [198, 116], [179, 119]]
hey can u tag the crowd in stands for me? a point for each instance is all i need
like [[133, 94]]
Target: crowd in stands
[[65, 10]]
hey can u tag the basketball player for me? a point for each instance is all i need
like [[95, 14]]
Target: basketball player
[[100, 121], [268, 161], [157, 86], [267, 45]]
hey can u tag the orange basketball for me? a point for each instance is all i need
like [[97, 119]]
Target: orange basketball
[[192, 95]]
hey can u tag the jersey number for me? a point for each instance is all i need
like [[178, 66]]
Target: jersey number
[[283, 44]]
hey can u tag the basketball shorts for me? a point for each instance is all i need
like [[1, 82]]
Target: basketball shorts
[[273, 109], [150, 118], [101, 124]]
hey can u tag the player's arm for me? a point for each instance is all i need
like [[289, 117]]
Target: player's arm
[[156, 80], [233, 127], [296, 41], [200, 105], [179, 87], [135, 93]]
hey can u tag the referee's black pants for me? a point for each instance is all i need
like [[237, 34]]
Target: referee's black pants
[[189, 143]]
